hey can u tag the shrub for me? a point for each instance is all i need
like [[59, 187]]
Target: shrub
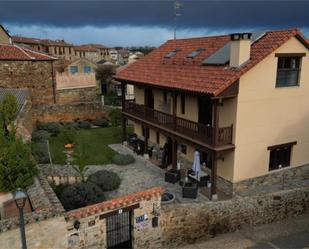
[[115, 117], [80, 195], [52, 127], [70, 125], [106, 180], [121, 159], [39, 152], [102, 122], [40, 135], [84, 124]]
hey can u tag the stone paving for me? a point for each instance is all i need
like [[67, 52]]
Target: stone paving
[[140, 175]]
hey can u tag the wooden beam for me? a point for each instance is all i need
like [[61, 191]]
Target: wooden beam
[[214, 174], [124, 129], [174, 110], [174, 153], [215, 122], [123, 95]]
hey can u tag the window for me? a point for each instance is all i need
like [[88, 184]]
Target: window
[[288, 70], [280, 156], [183, 103], [195, 53], [183, 149], [73, 69], [87, 69], [171, 54]]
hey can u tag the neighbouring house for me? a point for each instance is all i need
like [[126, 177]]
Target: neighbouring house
[[22, 67], [4, 36], [76, 81], [241, 100], [62, 49], [135, 56]]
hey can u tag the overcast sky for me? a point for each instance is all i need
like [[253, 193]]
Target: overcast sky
[[146, 22]]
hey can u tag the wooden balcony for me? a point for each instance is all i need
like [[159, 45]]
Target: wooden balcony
[[186, 127]]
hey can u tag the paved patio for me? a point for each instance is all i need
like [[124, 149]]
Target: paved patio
[[140, 175]]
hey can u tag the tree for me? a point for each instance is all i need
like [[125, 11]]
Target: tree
[[104, 73], [17, 167], [8, 108]]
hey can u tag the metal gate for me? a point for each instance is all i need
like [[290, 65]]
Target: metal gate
[[119, 232]]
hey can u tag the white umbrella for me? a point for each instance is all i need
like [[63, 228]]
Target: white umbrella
[[196, 163]]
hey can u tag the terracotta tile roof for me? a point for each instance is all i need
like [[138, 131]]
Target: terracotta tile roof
[[26, 40], [188, 74], [116, 203], [85, 48], [14, 52]]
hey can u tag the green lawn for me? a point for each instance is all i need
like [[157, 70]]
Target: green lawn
[[92, 142]]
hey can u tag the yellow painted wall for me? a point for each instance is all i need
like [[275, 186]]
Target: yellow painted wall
[[267, 115], [139, 95], [191, 108]]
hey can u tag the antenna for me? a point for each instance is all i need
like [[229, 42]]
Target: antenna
[[177, 5]]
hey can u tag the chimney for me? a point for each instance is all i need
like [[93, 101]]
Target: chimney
[[240, 49]]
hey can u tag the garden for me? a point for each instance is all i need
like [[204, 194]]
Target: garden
[[84, 143]]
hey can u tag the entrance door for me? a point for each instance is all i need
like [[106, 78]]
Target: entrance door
[[118, 229], [205, 111]]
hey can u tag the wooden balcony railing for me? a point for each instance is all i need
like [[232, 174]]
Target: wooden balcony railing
[[186, 127]]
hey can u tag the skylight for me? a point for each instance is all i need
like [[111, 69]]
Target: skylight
[[171, 54], [195, 53]]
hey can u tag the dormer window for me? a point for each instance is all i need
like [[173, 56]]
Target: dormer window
[[195, 53], [171, 54]]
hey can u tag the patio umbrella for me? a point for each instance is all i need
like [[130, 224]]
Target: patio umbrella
[[196, 163]]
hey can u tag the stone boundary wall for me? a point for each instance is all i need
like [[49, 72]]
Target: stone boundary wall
[[92, 220], [44, 202], [187, 223], [286, 175], [68, 112], [77, 95]]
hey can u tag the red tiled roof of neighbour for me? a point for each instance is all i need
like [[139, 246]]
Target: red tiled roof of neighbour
[[99, 46], [25, 40], [189, 74], [116, 203], [85, 48], [14, 52]]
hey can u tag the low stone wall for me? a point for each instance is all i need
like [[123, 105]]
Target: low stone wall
[[284, 176], [76, 95], [187, 223], [68, 112]]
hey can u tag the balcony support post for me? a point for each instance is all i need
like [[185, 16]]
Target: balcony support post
[[214, 176], [124, 120], [174, 111], [123, 95], [146, 134], [174, 153], [215, 131]]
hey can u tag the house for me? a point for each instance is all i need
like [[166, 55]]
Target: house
[[22, 67], [241, 100], [76, 81], [4, 36]]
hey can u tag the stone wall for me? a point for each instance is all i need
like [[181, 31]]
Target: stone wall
[[187, 223], [143, 206], [68, 112], [37, 76], [76, 95], [288, 175]]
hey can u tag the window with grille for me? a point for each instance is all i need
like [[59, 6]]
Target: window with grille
[[288, 71]]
